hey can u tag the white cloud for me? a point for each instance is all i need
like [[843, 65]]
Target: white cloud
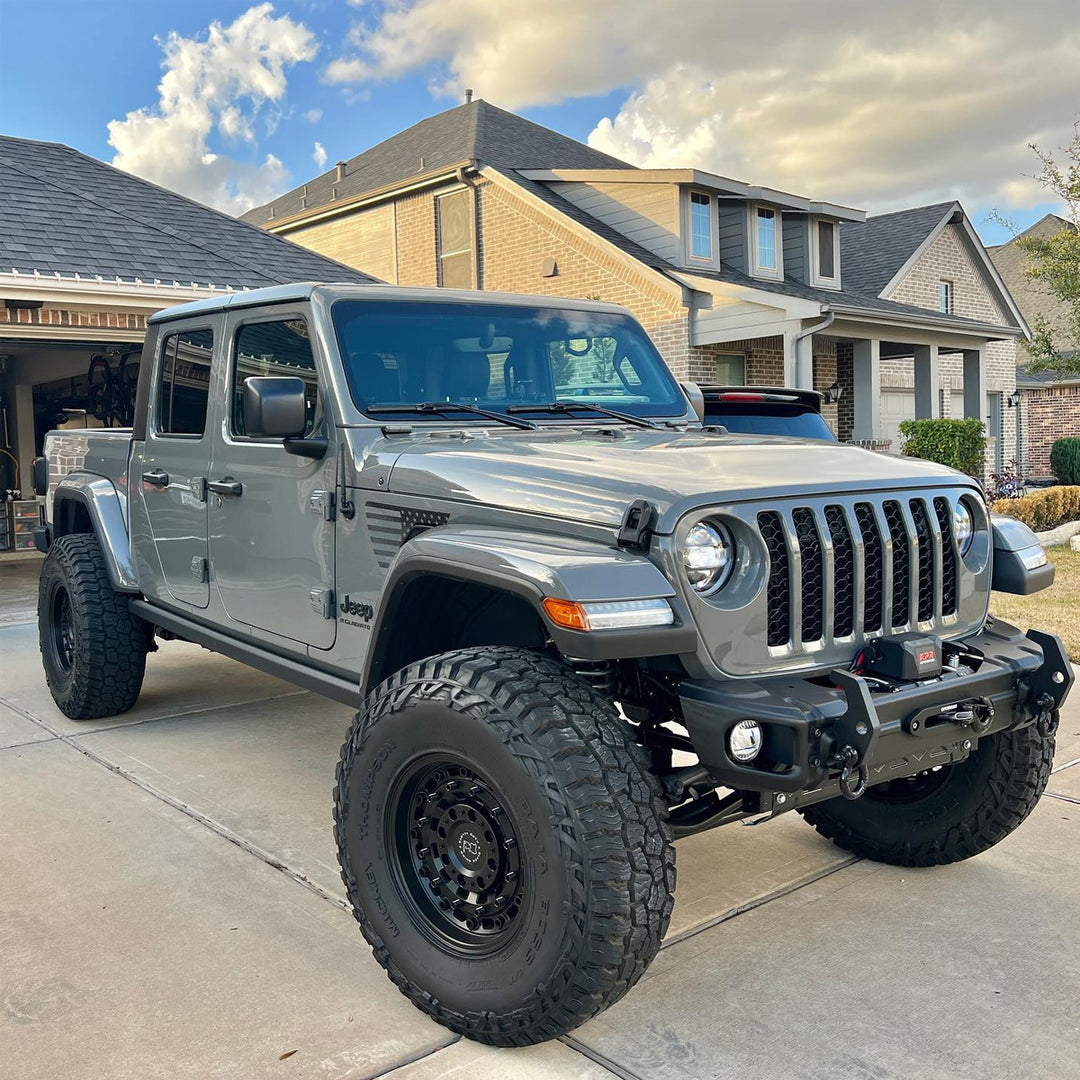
[[313, 116], [319, 156], [876, 104], [217, 84]]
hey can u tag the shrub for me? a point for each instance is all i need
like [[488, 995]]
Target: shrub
[[1046, 508], [957, 443], [1065, 460]]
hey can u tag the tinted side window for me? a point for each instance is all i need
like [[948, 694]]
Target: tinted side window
[[275, 348], [184, 383]]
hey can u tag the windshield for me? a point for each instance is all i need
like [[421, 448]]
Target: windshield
[[791, 420], [407, 352]]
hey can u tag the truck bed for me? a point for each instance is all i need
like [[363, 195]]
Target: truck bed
[[98, 451]]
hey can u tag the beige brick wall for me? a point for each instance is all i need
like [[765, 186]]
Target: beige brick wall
[[416, 261], [1053, 413]]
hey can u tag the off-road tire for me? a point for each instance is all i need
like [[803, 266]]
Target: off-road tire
[[597, 864], [976, 805], [99, 672]]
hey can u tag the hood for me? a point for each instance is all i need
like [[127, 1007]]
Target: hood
[[590, 476]]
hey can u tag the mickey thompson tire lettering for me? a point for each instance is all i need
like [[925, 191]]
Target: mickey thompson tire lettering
[[960, 810], [594, 867], [99, 671]]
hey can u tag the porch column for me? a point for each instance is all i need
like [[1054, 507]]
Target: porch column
[[867, 396], [975, 384], [24, 435], [927, 384], [804, 362]]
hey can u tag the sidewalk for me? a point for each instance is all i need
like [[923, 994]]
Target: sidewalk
[[171, 908]]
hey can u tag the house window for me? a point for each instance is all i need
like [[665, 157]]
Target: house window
[[700, 225], [731, 369], [826, 253], [766, 242], [454, 228], [945, 297]]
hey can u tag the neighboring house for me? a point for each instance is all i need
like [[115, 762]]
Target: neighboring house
[[87, 254], [736, 283], [1049, 407]]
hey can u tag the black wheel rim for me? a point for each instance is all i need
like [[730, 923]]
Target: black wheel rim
[[456, 856], [909, 789], [62, 629]]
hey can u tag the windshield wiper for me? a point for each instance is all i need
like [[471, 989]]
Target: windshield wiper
[[588, 406], [451, 406]]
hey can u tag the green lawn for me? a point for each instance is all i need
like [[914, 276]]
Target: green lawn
[[1056, 609]]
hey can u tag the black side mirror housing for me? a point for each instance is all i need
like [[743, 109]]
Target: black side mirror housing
[[274, 407]]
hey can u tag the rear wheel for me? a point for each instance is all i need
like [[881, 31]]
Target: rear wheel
[[946, 814], [503, 844], [92, 648]]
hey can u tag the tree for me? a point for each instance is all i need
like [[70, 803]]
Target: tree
[[1055, 261]]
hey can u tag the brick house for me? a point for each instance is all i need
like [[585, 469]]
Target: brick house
[[1049, 407], [904, 313], [87, 255]]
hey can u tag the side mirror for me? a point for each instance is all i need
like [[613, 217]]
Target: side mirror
[[696, 398], [274, 407], [40, 476]]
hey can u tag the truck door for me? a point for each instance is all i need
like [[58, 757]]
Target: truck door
[[271, 513], [168, 477]]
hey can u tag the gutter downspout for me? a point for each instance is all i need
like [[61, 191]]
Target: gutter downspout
[[802, 356], [462, 178]]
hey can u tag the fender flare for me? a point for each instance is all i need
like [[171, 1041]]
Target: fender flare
[[107, 510], [533, 566]]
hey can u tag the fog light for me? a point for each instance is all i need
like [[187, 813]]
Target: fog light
[[745, 740]]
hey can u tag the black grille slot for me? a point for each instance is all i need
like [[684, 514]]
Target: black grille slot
[[813, 574], [843, 571], [948, 557], [925, 533], [390, 526], [779, 588], [873, 563], [901, 563]]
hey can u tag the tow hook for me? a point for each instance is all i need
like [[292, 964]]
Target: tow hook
[[1049, 717], [854, 775]]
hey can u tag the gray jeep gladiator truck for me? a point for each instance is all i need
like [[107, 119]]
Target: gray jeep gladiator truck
[[577, 622]]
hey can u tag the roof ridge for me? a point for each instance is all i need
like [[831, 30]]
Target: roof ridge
[[914, 209]]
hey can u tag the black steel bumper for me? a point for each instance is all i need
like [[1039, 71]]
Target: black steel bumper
[[845, 729]]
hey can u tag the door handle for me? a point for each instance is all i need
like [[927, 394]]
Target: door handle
[[226, 486], [159, 478]]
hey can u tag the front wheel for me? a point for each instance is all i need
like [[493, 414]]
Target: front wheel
[[504, 847], [945, 814]]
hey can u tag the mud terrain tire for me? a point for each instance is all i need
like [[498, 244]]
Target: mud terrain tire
[[946, 815], [92, 648], [502, 760]]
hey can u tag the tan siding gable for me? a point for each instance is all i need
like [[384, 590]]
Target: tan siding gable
[[363, 239], [646, 213], [948, 259]]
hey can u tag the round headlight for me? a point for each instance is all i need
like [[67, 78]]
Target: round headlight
[[963, 527], [708, 557]]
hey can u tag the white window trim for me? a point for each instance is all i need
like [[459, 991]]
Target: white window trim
[[689, 258], [950, 306], [815, 277], [757, 270]]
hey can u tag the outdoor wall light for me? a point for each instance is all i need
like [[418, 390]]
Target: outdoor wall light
[[1014, 399], [833, 393]]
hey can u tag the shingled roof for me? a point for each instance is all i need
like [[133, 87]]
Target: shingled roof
[[873, 252], [66, 213], [477, 132]]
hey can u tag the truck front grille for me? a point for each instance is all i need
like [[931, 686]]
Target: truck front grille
[[876, 565]]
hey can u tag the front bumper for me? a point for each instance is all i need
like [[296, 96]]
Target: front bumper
[[819, 734]]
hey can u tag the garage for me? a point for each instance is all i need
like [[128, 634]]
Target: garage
[[87, 255]]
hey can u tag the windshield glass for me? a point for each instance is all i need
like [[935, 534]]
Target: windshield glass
[[791, 420], [407, 352]]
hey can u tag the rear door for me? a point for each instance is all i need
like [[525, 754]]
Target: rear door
[[272, 541], [168, 503]]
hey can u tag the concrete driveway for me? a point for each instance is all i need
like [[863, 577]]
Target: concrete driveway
[[170, 907]]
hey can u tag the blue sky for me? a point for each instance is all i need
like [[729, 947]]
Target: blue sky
[[881, 114]]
